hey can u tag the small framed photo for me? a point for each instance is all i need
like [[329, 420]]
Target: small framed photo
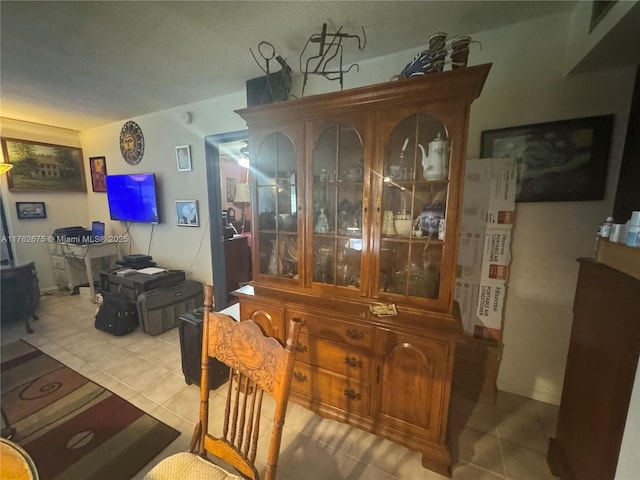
[[231, 190], [98, 166], [29, 210], [187, 213], [555, 161], [183, 157]]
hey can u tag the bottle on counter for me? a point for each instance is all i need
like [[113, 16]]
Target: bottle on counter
[[633, 230], [604, 230]]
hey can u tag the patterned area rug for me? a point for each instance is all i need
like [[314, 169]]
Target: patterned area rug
[[73, 428]]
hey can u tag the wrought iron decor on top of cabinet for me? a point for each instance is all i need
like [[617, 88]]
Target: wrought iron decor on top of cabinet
[[357, 196]]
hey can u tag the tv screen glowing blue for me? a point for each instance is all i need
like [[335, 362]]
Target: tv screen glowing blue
[[132, 198]]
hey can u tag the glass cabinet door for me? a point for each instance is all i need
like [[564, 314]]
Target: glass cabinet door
[[413, 208], [275, 173], [338, 189]]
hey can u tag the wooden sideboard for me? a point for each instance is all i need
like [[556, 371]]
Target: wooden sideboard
[[601, 368]]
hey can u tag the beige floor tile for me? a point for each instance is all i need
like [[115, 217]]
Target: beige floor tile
[[143, 403], [166, 388], [372, 450], [159, 351], [480, 416], [524, 428], [472, 446], [140, 381], [525, 464], [124, 365], [548, 416], [512, 403], [186, 402], [410, 467], [307, 459], [468, 471]]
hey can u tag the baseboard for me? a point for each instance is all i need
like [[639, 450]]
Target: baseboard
[[553, 399]]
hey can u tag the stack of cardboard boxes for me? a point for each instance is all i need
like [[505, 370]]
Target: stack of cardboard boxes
[[482, 274]]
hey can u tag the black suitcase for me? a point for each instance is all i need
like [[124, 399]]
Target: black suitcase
[[116, 315], [158, 309], [190, 330]]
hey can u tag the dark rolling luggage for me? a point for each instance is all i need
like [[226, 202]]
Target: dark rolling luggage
[[158, 309], [190, 330], [117, 315], [132, 286]]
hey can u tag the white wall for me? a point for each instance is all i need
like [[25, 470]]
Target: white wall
[[63, 208], [183, 248]]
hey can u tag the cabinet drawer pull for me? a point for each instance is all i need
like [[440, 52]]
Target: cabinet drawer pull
[[353, 362], [352, 394], [299, 377], [303, 321], [301, 348], [354, 334]]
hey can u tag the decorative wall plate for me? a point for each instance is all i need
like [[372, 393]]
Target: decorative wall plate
[[131, 143]]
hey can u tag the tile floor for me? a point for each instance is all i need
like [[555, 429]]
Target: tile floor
[[506, 440]]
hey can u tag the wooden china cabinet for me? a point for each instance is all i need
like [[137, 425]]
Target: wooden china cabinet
[[338, 189]]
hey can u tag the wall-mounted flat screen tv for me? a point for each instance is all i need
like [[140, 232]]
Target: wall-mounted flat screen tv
[[132, 198]]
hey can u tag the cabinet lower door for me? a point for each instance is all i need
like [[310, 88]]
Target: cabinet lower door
[[268, 316], [414, 393]]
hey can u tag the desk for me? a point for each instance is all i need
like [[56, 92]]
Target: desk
[[16, 463], [65, 258], [20, 291]]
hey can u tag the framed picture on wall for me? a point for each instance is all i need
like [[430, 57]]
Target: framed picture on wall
[[187, 213], [43, 166], [555, 161], [231, 190], [98, 167], [28, 210], [183, 157]]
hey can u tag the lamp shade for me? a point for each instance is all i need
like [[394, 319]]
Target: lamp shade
[[242, 193], [5, 167]]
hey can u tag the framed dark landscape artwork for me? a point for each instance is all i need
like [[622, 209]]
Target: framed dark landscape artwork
[[42, 166], [555, 161], [27, 210], [98, 166]]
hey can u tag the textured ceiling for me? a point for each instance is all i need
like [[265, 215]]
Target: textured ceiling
[[83, 64]]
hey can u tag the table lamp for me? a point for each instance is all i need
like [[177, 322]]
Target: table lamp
[[242, 199]]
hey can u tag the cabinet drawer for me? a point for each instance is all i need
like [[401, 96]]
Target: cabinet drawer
[[77, 251], [346, 393], [268, 316], [55, 248], [61, 276], [336, 330], [58, 262], [343, 359]]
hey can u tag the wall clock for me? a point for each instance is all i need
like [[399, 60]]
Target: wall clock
[[131, 143]]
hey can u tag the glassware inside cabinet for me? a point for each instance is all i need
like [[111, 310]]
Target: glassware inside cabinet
[[275, 170], [410, 268], [418, 150], [413, 208], [338, 189]]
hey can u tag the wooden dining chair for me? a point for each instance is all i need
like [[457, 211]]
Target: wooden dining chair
[[258, 364]]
